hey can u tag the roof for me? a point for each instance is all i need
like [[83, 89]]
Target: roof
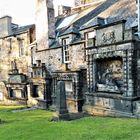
[[102, 13], [72, 19], [72, 29], [93, 22], [120, 10], [66, 21], [21, 29], [18, 30]]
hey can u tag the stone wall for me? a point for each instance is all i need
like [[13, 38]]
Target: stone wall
[[10, 51], [77, 56], [53, 58]]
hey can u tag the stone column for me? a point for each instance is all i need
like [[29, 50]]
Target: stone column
[[28, 94], [125, 72], [94, 75], [130, 91], [91, 73], [88, 72], [128, 75], [138, 73]]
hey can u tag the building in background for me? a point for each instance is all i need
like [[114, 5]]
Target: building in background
[[14, 60]]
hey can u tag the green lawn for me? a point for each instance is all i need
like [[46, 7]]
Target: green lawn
[[36, 125]]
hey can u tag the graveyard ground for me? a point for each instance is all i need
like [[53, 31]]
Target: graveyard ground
[[36, 125]]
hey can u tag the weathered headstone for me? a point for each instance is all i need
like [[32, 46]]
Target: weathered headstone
[[61, 106]]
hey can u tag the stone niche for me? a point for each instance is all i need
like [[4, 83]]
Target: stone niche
[[109, 75], [17, 86]]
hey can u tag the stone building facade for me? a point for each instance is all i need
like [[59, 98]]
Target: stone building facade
[[14, 60], [95, 52], [57, 60]]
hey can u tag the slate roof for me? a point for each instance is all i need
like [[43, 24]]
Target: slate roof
[[111, 10], [105, 12], [77, 21], [18, 30], [66, 21], [121, 9], [93, 22], [72, 29], [21, 29]]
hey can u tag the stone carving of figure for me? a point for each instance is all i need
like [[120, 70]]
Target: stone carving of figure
[[13, 65]]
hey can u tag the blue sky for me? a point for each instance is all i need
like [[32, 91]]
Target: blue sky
[[23, 11]]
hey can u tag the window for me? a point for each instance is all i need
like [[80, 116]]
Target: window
[[90, 39], [65, 43], [21, 48]]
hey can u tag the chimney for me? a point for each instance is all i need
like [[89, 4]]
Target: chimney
[[64, 10], [60, 10], [45, 23], [5, 26]]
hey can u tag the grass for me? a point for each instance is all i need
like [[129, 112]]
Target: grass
[[36, 125]]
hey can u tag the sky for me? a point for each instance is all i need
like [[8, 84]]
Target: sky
[[23, 11]]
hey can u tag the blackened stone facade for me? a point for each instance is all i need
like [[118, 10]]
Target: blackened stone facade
[[113, 72]]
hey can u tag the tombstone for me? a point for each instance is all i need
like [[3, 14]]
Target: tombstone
[[61, 106]]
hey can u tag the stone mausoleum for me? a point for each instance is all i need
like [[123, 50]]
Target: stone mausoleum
[[113, 71]]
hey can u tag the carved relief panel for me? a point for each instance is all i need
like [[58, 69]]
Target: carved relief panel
[[109, 35], [110, 75]]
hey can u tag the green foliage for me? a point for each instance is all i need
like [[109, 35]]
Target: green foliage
[[36, 125]]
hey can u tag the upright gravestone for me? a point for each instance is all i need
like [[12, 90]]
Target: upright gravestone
[[61, 105]]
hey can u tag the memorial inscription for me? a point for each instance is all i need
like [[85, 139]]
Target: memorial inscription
[[109, 37]]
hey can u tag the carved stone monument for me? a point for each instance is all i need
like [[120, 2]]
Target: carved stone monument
[[16, 84], [61, 106], [14, 67]]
